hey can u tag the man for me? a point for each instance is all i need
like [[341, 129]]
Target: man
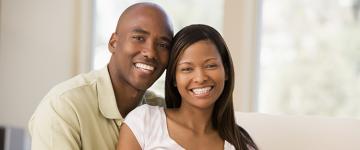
[[86, 111]]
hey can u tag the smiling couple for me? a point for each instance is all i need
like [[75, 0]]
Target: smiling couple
[[99, 110]]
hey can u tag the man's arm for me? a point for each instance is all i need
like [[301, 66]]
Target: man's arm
[[54, 126], [127, 139]]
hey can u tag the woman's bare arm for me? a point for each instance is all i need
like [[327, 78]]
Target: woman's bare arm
[[127, 139]]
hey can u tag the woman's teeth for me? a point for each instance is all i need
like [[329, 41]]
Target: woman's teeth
[[199, 91]]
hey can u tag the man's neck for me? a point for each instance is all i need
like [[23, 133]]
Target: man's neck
[[127, 97]]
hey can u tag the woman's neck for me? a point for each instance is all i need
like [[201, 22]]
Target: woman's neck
[[195, 119]]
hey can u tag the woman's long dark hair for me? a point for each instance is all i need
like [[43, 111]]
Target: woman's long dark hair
[[223, 118]]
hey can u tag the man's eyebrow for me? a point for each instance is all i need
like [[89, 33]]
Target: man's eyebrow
[[166, 39], [142, 31], [139, 30]]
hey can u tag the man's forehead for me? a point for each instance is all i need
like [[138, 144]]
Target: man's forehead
[[140, 30]]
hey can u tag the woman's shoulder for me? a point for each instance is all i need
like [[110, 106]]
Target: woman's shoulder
[[228, 146], [147, 107]]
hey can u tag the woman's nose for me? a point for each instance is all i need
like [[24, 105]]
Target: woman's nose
[[200, 76]]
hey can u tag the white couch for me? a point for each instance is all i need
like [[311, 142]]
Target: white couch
[[276, 132]]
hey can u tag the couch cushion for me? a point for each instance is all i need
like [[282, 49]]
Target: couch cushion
[[275, 132]]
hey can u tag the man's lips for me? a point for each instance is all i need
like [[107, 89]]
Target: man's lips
[[145, 68]]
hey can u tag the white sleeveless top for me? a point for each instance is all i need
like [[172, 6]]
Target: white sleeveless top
[[148, 124]]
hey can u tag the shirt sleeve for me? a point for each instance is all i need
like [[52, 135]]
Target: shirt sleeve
[[136, 120], [55, 126]]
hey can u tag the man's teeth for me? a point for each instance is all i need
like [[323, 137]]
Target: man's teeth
[[144, 66], [199, 91]]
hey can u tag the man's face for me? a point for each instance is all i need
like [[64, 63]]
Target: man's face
[[140, 48]]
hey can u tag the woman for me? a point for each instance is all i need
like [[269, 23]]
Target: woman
[[198, 91]]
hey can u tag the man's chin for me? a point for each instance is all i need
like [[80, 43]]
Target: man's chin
[[143, 87], [143, 84]]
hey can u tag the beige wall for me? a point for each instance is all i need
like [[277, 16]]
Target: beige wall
[[39, 47], [43, 42], [240, 33]]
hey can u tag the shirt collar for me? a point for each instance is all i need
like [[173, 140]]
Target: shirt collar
[[106, 96]]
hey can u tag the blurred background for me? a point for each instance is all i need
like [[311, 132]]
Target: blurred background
[[295, 57]]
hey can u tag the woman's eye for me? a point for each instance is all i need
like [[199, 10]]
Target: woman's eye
[[186, 69], [211, 66]]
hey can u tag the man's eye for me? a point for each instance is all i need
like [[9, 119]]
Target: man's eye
[[164, 45], [138, 38]]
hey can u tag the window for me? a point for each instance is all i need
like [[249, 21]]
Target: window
[[310, 57], [182, 12]]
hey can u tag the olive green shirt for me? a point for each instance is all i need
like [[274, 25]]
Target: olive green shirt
[[80, 114]]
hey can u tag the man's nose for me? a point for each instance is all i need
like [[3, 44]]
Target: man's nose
[[149, 50]]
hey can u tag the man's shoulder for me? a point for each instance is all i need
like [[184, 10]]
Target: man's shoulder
[[63, 111], [68, 97], [76, 93], [75, 84]]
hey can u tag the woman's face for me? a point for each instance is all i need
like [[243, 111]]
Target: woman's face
[[200, 75]]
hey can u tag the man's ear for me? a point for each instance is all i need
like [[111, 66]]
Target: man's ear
[[112, 43]]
